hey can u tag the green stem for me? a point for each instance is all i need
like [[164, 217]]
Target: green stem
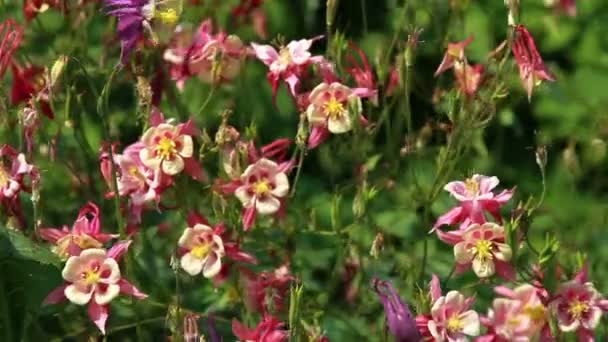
[[209, 96]]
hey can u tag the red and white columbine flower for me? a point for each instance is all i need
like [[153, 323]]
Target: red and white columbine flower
[[203, 250], [13, 180], [476, 197], [85, 233], [262, 186], [94, 278], [578, 306], [451, 317], [483, 248], [532, 69], [289, 63]]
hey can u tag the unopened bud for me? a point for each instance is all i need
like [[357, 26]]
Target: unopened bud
[[57, 69], [541, 156], [330, 15]]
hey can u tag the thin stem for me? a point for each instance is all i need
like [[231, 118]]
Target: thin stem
[[298, 171], [364, 16], [209, 96]]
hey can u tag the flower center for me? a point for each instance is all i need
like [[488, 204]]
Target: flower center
[[168, 17], [483, 249], [578, 309], [201, 251], [261, 187], [165, 148], [536, 312], [284, 56], [454, 324], [4, 177], [471, 186], [91, 277], [333, 108]]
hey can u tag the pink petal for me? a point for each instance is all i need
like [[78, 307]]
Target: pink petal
[[242, 332], [195, 218], [435, 288], [193, 168], [249, 215], [118, 249], [156, 117], [583, 275], [505, 292], [455, 215], [317, 136], [292, 82], [99, 315], [451, 237], [128, 289], [56, 296], [266, 53], [364, 92], [188, 128], [52, 234], [505, 270]]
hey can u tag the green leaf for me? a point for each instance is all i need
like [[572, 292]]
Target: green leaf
[[24, 248]]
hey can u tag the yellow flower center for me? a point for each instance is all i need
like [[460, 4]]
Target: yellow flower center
[[284, 56], [578, 309], [91, 277], [471, 186], [333, 108], [165, 148], [83, 241], [483, 249], [261, 187], [4, 178], [168, 17], [536, 312], [454, 324], [201, 251]]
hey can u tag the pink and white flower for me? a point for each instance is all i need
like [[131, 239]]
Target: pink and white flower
[[165, 149], [262, 187], [288, 64], [476, 197], [453, 55], [85, 233], [203, 251], [94, 278], [483, 247], [578, 306], [15, 176], [532, 69]]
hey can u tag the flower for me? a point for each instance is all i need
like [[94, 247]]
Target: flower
[[330, 106], [31, 8], [475, 196], [362, 72], [85, 233], [454, 55], [136, 15], [13, 180], [468, 77], [269, 329], [29, 84], [288, 64], [211, 57], [399, 318], [204, 250], [267, 291], [262, 186], [484, 247], [11, 35], [166, 148], [578, 306], [532, 69], [94, 278], [452, 318]]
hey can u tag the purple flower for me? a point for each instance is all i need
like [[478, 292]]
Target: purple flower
[[400, 320]]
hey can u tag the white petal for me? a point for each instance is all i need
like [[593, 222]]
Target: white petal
[[434, 331], [470, 323], [72, 269], [594, 318], [148, 159], [483, 269], [187, 146], [462, 254], [268, 205], [112, 265], [186, 239], [219, 249], [569, 327], [341, 125], [503, 253], [281, 185], [191, 265], [454, 300], [242, 194], [212, 266], [76, 296], [173, 166], [111, 292], [315, 115]]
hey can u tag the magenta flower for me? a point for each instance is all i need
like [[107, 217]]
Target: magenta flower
[[94, 278], [453, 319], [453, 55], [269, 329], [288, 64], [14, 178], [476, 197], [532, 69], [203, 250], [399, 318], [85, 233], [483, 248], [213, 58], [578, 306], [267, 291]]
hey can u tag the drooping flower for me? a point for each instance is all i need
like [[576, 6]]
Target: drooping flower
[[169, 149], [15, 176], [136, 16], [262, 186], [269, 329], [213, 58], [332, 109], [399, 318], [29, 84], [203, 251], [468, 77], [476, 197], [578, 306], [532, 69], [85, 233], [94, 278], [453, 55], [362, 72], [288, 64], [267, 291], [483, 247], [11, 35]]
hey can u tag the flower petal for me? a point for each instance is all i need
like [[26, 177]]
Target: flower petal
[[267, 206], [191, 265], [470, 323], [212, 266], [75, 294], [462, 254], [99, 315], [281, 185], [173, 166], [186, 148], [104, 297], [483, 268]]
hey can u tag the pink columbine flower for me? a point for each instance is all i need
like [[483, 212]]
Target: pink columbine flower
[[483, 247], [468, 77], [476, 197], [269, 329], [453, 55], [267, 291], [169, 148], [579, 306], [13, 176], [11, 35], [203, 251], [85, 233], [262, 187], [94, 278], [362, 72], [289, 63], [211, 57], [532, 69]]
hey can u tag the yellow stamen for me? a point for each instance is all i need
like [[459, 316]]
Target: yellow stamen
[[91, 277], [165, 148], [284, 56], [333, 108], [483, 249], [4, 177], [578, 309], [471, 186], [261, 187], [168, 17], [201, 251], [454, 324], [536, 312]]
